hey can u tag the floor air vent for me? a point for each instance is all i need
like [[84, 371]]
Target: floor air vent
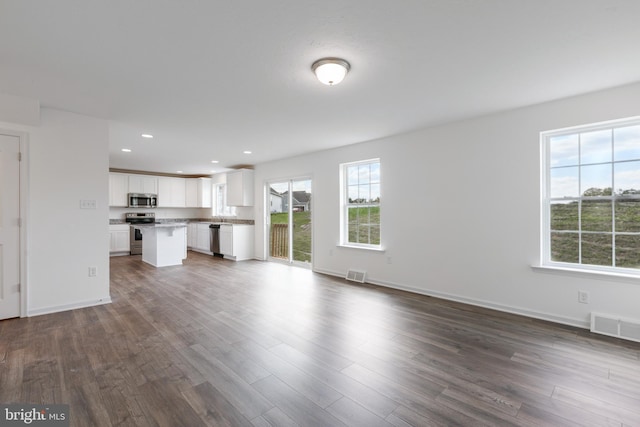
[[615, 327], [355, 275]]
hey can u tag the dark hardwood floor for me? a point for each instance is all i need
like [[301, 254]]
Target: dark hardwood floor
[[220, 343]]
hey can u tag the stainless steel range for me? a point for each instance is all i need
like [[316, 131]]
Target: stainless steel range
[[135, 236]]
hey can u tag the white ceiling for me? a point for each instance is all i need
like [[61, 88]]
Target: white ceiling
[[211, 78]]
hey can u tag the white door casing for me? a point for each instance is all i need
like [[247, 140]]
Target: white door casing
[[9, 226]]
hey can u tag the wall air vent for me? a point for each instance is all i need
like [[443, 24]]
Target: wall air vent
[[615, 327], [355, 275]]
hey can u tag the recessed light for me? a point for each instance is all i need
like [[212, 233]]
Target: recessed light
[[126, 150], [247, 152], [215, 161], [146, 135]]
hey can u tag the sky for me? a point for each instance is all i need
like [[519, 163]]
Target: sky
[[600, 159]]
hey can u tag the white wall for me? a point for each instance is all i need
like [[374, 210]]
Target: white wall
[[68, 160], [461, 211]]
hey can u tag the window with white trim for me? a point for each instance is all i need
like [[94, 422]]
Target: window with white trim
[[221, 208], [360, 218], [591, 197]]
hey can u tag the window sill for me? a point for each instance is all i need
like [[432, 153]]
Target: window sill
[[365, 248], [585, 273]]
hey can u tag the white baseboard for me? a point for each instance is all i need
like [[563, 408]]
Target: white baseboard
[[201, 251], [471, 301], [112, 254], [66, 307]]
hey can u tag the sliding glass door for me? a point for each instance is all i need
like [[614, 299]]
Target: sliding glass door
[[289, 221]]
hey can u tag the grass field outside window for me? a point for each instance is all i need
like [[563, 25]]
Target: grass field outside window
[[361, 203]]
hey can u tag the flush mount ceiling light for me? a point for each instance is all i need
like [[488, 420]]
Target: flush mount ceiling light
[[330, 71], [146, 135]]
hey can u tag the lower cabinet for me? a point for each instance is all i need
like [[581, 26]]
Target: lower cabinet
[[203, 239], [186, 236], [236, 240], [119, 239], [198, 237], [226, 239], [192, 230]]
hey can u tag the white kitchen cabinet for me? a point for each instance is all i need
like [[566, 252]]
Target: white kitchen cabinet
[[144, 184], [171, 192], [202, 243], [240, 188], [118, 189], [186, 236], [191, 193], [192, 230], [119, 239], [236, 241], [226, 239], [198, 192]]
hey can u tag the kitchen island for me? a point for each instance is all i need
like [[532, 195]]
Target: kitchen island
[[163, 244]]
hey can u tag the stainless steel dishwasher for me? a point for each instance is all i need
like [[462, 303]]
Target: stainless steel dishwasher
[[214, 239]]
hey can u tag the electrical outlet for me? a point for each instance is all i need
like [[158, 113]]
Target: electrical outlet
[[583, 297], [388, 260], [93, 271]]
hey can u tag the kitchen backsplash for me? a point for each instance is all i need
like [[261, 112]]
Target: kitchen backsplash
[[245, 214], [168, 220]]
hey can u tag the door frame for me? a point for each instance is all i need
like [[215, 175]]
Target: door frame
[[23, 250], [267, 222]]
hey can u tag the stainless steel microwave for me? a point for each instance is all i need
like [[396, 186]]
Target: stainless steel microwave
[[138, 200]]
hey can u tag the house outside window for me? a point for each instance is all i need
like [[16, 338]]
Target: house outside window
[[360, 218], [591, 197]]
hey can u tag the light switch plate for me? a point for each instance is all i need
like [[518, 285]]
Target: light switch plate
[[87, 204]]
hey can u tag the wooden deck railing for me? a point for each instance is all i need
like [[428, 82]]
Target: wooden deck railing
[[280, 241]]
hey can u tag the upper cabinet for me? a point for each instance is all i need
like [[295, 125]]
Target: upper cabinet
[[198, 192], [144, 184], [240, 188], [172, 192], [118, 189]]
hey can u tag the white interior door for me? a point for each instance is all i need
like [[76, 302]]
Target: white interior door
[[9, 226]]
